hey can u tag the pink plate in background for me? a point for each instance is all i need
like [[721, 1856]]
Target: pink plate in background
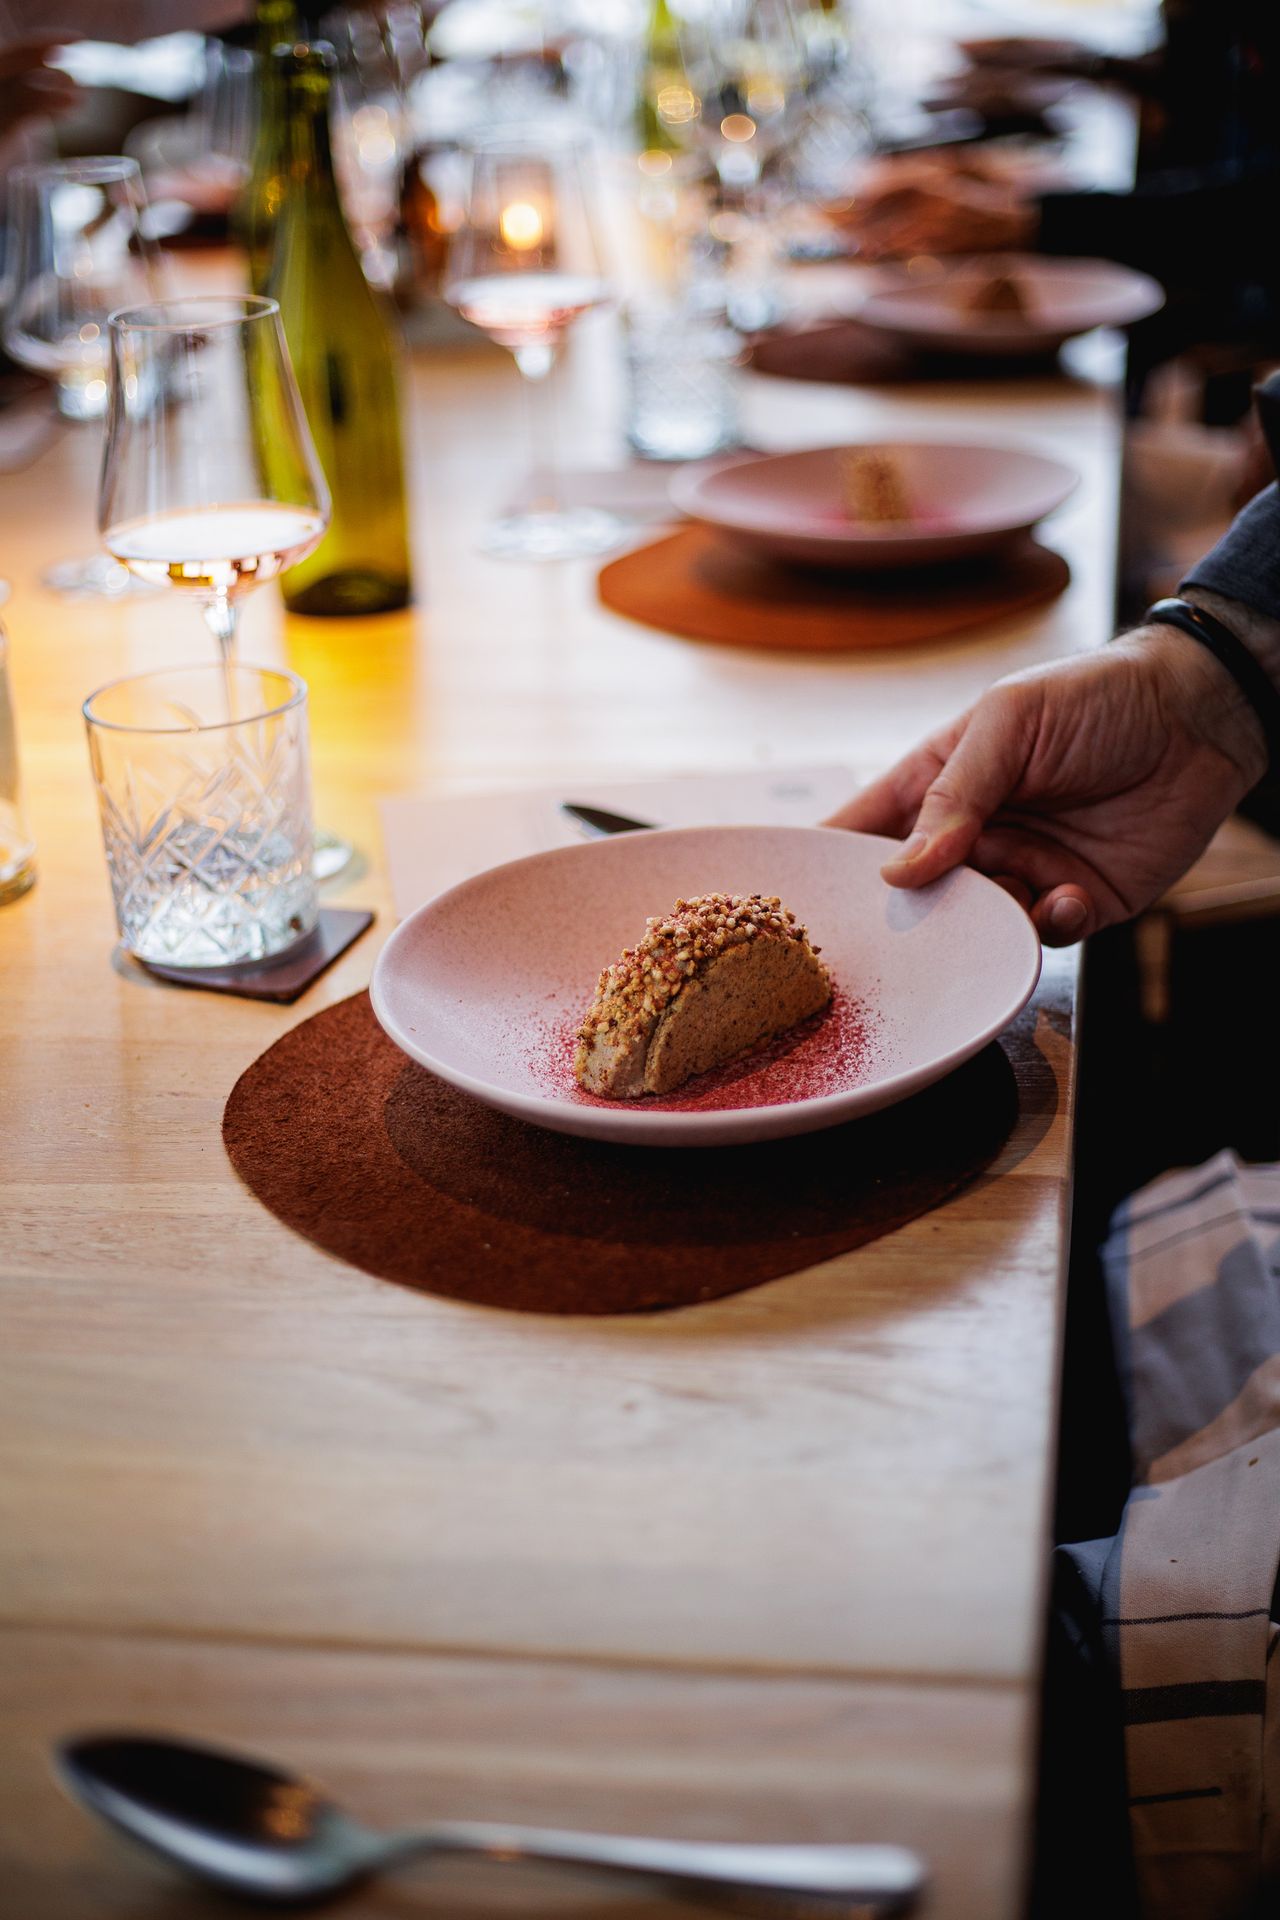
[[486, 984], [964, 500], [1064, 298]]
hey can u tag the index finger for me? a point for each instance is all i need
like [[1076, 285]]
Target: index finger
[[891, 803], [878, 204], [22, 55]]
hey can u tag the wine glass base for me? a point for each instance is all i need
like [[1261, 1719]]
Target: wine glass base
[[330, 855], [571, 535], [16, 880], [97, 577]]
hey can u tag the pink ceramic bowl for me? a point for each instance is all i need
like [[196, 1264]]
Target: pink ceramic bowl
[[790, 506], [1064, 298], [486, 985]]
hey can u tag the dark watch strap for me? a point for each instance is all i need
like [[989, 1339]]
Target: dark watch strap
[[1254, 684], [1266, 399]]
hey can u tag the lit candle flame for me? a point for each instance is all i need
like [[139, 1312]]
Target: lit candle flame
[[521, 226]]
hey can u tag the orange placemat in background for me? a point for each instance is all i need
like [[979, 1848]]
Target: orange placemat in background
[[835, 352], [844, 352], [695, 584]]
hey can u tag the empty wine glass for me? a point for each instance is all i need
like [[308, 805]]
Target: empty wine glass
[[200, 388], [523, 267], [747, 72], [405, 32], [368, 140], [80, 248], [226, 117]]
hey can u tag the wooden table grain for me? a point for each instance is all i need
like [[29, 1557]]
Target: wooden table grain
[[770, 1568]]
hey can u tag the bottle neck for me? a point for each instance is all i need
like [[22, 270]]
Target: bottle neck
[[662, 28], [309, 154], [275, 21]]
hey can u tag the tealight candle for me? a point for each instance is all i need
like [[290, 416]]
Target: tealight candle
[[521, 226]]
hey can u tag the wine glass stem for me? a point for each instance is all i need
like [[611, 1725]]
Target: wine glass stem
[[738, 178], [221, 618], [536, 364]]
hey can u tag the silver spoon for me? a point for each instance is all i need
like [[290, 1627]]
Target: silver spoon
[[253, 1830]]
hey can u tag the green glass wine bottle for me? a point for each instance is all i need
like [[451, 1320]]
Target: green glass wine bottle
[[344, 357], [661, 70], [253, 220]]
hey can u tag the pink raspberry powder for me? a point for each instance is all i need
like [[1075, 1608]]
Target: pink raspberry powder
[[832, 1051]]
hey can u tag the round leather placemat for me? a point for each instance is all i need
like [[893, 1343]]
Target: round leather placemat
[[379, 1162], [838, 352], [846, 353], [701, 587]]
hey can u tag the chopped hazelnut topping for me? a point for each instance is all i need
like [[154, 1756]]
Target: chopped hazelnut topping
[[651, 974]]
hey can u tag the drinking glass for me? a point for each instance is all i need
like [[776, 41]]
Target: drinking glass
[[748, 72], [523, 267], [205, 800], [17, 848], [199, 387], [80, 247], [226, 116], [406, 33], [824, 162], [681, 368], [368, 135]]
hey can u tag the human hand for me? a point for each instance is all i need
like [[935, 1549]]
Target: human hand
[[961, 216], [29, 88], [1084, 788], [1026, 54]]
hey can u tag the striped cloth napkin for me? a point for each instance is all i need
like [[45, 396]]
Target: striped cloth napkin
[[1188, 1589]]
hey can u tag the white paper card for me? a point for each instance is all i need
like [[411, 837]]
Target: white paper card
[[433, 841]]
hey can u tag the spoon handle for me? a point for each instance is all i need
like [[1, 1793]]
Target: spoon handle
[[807, 1879]]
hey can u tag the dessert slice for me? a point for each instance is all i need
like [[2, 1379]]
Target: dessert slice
[[709, 980], [873, 485], [997, 293]]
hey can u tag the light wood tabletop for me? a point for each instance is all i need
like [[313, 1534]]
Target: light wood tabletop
[[767, 1568]]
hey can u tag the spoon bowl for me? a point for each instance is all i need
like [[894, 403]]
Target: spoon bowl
[[234, 1821], [247, 1827]]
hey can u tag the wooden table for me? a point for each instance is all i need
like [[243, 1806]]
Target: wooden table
[[768, 1568]]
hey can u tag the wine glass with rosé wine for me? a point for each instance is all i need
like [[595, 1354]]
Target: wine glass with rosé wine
[[199, 389], [202, 390], [524, 266]]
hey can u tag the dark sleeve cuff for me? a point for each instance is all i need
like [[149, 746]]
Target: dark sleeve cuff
[[1245, 564], [1089, 223], [1179, 216]]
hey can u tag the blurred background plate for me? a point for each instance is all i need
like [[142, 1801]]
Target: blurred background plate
[[965, 500], [1062, 298]]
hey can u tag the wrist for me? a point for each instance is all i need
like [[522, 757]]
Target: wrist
[[1021, 226], [1200, 695], [1257, 631]]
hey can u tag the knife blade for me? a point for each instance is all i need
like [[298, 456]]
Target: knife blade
[[598, 821]]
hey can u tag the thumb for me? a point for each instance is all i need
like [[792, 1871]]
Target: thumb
[[980, 773], [883, 204]]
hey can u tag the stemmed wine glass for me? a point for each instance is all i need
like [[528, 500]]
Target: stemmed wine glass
[[201, 388], [80, 248], [523, 267], [368, 135], [225, 123], [748, 69], [210, 479]]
